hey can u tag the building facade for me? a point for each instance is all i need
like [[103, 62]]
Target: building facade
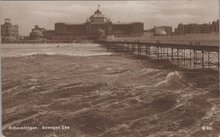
[[214, 27], [9, 32], [97, 25], [197, 28]]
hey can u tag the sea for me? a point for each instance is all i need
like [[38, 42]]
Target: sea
[[81, 87]]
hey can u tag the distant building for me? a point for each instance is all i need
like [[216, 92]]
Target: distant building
[[128, 29], [214, 27], [95, 26], [161, 30], [48, 34], [37, 33], [9, 32], [197, 28]]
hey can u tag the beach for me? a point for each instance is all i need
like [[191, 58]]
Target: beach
[[106, 95]]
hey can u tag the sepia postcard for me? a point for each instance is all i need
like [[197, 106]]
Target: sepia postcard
[[145, 68]]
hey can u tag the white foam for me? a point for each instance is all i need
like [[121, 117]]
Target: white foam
[[171, 77]]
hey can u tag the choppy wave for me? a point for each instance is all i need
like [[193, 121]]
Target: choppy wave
[[108, 96], [16, 50]]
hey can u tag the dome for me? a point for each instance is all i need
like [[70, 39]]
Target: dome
[[37, 33], [98, 18], [98, 14]]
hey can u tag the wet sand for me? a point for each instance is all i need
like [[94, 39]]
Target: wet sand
[[108, 96]]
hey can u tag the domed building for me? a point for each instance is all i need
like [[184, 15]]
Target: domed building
[[95, 24], [37, 33]]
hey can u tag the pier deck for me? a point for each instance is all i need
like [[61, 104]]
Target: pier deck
[[194, 56]]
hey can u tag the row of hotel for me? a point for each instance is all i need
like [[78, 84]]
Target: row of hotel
[[98, 26]]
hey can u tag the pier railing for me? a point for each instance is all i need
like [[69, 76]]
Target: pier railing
[[185, 55]]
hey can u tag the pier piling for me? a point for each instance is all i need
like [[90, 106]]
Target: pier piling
[[184, 55]]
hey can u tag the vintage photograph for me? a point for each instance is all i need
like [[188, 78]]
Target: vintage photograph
[[110, 68]]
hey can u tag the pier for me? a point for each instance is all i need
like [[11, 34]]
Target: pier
[[191, 56]]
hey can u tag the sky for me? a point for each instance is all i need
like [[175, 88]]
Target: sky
[[26, 14]]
